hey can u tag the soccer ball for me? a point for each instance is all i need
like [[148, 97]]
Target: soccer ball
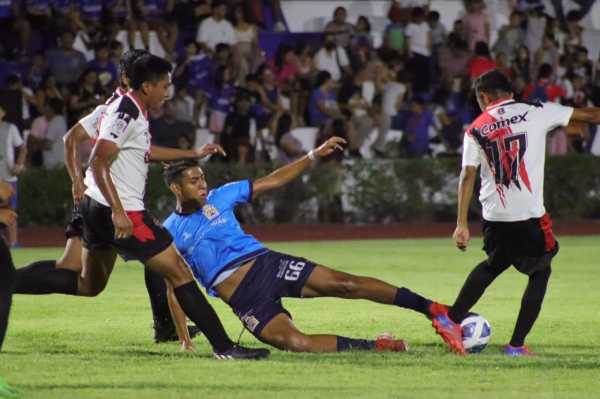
[[476, 332]]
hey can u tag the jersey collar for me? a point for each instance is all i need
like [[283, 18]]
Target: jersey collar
[[120, 92], [498, 102], [137, 102]]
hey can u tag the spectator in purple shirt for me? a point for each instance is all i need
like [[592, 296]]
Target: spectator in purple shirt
[[221, 100], [322, 103], [416, 135], [65, 62]]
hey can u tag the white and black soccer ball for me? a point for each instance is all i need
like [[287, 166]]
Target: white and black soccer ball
[[476, 332]]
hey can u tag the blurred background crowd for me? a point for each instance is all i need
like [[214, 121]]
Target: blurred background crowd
[[407, 96]]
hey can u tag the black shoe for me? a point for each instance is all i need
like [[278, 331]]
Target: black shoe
[[239, 352], [170, 335]]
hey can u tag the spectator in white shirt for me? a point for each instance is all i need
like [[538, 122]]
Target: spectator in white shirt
[[216, 29], [333, 59], [418, 33]]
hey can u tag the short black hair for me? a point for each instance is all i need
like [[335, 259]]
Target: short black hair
[[172, 171], [56, 105], [148, 68], [433, 16], [127, 60], [493, 82], [545, 71]]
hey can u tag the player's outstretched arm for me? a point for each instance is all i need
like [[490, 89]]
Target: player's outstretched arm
[[292, 170], [103, 154], [159, 153], [72, 140], [588, 115], [179, 319], [465, 193]]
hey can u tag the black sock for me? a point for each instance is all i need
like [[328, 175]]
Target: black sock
[[43, 277], [405, 298], [346, 344], [474, 287], [7, 280], [531, 304], [157, 293], [197, 308]]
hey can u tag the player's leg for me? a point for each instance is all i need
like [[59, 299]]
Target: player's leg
[[531, 305], [324, 281], [499, 259], [7, 281], [169, 264], [473, 288]]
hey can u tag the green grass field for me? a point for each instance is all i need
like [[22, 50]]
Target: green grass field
[[65, 347]]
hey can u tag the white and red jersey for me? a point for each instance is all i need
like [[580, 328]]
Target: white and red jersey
[[508, 140], [125, 123], [91, 122]]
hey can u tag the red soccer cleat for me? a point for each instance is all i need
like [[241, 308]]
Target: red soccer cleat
[[387, 343], [446, 328]]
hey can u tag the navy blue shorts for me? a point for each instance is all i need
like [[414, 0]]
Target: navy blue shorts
[[257, 300]]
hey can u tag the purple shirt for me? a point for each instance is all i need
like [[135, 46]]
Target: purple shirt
[[317, 118]]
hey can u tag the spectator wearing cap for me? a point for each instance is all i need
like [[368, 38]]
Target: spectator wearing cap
[[216, 29]]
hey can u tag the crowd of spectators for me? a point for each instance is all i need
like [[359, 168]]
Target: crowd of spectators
[[416, 82]]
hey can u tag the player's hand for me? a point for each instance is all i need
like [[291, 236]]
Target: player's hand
[[188, 346], [17, 170], [7, 216], [122, 223], [461, 237], [209, 149], [78, 189], [332, 144]]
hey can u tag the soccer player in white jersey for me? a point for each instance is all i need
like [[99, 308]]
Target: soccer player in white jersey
[[507, 142], [114, 217], [45, 276]]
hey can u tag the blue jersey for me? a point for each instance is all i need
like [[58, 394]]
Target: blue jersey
[[6, 8], [200, 73], [211, 240]]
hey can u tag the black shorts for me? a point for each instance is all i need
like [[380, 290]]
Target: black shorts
[[148, 238], [257, 300], [528, 245], [75, 227]]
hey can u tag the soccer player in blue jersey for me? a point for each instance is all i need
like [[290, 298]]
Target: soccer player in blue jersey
[[252, 279]]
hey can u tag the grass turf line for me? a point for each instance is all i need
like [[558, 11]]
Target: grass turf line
[[66, 347]]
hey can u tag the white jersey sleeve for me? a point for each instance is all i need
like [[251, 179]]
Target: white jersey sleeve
[[556, 115], [90, 122], [116, 127], [471, 152]]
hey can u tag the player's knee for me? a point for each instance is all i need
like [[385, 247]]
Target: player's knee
[[297, 343], [346, 286], [91, 289]]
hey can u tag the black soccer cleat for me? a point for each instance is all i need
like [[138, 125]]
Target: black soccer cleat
[[162, 335], [239, 352]]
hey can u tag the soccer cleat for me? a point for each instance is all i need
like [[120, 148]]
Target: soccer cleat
[[387, 343], [514, 351], [239, 352], [170, 335], [446, 328]]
